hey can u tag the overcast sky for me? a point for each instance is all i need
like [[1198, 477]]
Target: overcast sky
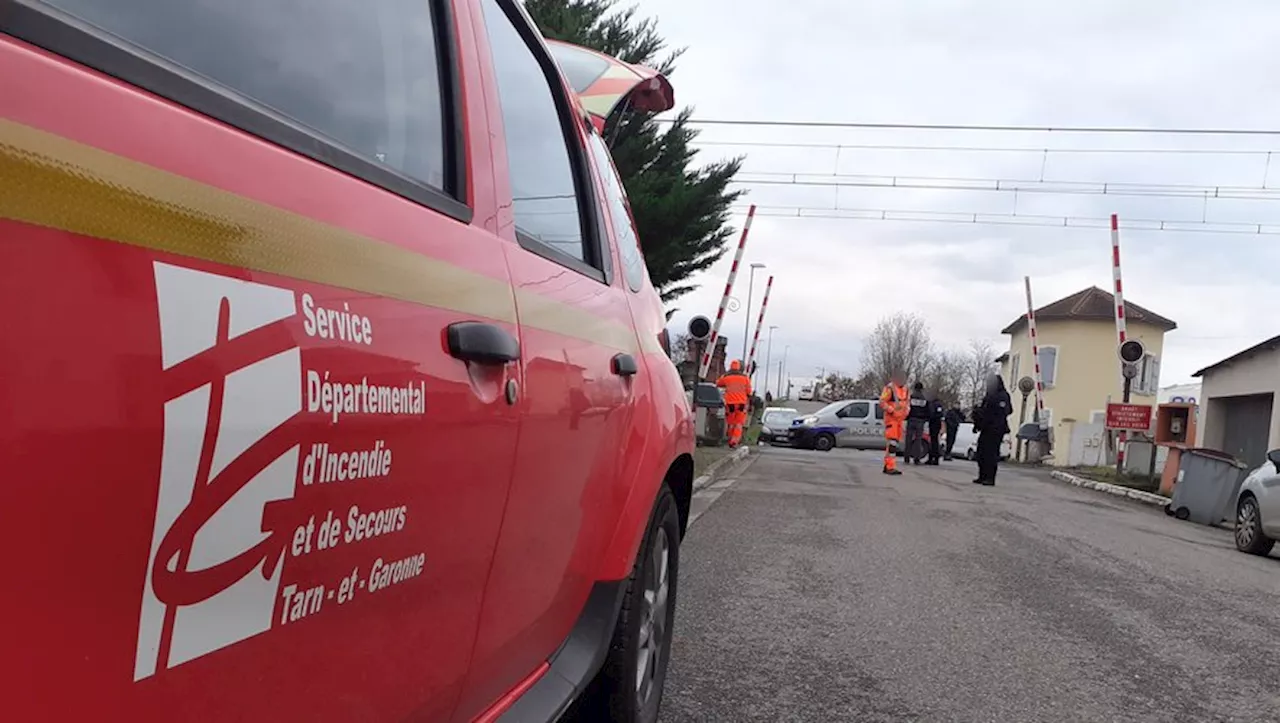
[[1152, 64]]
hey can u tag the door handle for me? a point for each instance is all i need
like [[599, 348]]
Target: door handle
[[481, 343], [624, 365]]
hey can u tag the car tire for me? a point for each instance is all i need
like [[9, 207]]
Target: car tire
[[824, 442], [1249, 536], [629, 687]]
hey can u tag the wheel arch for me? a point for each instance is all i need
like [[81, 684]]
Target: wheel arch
[[680, 479], [673, 470]]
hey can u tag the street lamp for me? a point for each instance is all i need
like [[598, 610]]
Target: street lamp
[[768, 354], [782, 367], [746, 326]]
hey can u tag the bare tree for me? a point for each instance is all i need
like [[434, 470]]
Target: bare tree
[[979, 364], [898, 342], [867, 387], [838, 386], [946, 374], [682, 347]]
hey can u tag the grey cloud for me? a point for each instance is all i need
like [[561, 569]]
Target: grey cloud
[[1092, 62]]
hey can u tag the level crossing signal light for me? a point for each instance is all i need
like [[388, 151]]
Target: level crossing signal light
[[1131, 352], [699, 327]]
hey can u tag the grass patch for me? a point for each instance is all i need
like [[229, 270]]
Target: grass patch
[[1108, 475], [704, 457]]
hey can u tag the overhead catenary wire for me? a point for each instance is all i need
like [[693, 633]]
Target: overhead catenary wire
[[1012, 219], [995, 128], [1001, 185], [984, 149]]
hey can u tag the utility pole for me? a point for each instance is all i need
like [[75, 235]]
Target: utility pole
[[782, 368], [746, 325], [768, 355]]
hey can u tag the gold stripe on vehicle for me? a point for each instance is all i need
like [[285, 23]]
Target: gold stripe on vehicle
[[58, 183], [555, 316], [51, 181]]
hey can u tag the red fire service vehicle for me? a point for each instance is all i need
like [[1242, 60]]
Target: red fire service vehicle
[[333, 385]]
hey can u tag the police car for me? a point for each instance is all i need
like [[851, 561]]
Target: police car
[[857, 423]]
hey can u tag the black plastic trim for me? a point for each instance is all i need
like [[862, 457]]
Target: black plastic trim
[[624, 365], [481, 343], [61, 33], [551, 253], [450, 65], [595, 242], [577, 661]]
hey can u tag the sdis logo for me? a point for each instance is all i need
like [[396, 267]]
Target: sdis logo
[[232, 377]]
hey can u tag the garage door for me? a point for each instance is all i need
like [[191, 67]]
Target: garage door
[[1247, 428]]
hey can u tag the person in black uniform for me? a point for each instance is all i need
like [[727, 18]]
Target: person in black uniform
[[991, 420], [917, 418], [937, 410], [953, 419]]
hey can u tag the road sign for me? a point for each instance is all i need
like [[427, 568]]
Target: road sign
[[1132, 417]]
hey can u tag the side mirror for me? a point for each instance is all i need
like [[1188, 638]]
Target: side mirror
[[1274, 457]]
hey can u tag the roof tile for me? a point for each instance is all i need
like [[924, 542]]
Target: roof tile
[[1091, 303]]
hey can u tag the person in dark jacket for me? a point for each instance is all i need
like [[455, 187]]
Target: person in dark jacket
[[953, 419], [937, 411], [917, 418], [991, 420]]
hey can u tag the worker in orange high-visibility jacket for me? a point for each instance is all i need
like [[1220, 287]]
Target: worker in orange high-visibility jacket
[[894, 402], [737, 394]]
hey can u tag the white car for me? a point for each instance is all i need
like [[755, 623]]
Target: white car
[[1258, 508], [967, 439]]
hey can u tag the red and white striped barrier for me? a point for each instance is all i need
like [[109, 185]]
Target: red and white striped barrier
[[755, 340], [1035, 351], [724, 300], [1115, 275], [1118, 293]]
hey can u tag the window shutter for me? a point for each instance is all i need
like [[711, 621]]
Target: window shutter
[[1049, 365]]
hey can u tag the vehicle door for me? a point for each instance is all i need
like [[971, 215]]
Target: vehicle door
[[1269, 497], [264, 360], [857, 423], [578, 351]]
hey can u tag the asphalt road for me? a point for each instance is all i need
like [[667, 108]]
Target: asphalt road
[[814, 588]]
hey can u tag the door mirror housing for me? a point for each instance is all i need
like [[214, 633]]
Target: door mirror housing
[[1274, 457]]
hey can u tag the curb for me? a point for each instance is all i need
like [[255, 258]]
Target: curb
[[710, 475], [1146, 498]]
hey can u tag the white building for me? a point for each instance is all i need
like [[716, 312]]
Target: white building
[[1238, 413]]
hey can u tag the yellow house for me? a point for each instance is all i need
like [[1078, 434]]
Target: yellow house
[[1078, 362]]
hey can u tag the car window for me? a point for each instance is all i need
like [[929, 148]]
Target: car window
[[879, 412], [830, 409], [633, 269], [857, 410], [364, 76], [543, 191], [778, 418]]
